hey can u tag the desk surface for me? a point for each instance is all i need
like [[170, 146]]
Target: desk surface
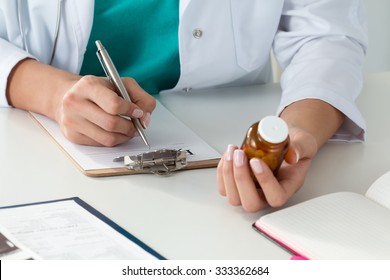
[[183, 216]]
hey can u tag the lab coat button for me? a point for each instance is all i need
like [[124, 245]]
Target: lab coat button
[[187, 89], [197, 33]]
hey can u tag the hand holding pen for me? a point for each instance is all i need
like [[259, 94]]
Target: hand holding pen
[[88, 108], [112, 74]]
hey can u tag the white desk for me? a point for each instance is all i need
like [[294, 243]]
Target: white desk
[[183, 216]]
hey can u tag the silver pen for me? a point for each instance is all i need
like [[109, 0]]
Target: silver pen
[[112, 74]]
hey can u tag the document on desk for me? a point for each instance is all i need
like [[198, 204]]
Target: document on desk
[[12, 249], [71, 229], [165, 132]]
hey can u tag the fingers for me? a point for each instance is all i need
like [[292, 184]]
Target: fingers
[[250, 199], [226, 181], [81, 111], [291, 176], [236, 178], [101, 92], [93, 136], [220, 173], [235, 181], [140, 97], [90, 112], [276, 195]]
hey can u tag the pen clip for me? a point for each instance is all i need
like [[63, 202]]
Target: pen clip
[[160, 162]]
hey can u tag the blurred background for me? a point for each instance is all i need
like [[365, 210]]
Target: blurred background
[[378, 56], [378, 13]]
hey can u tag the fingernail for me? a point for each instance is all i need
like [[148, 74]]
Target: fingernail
[[297, 156], [137, 113], [256, 165], [238, 158], [146, 121], [229, 152]]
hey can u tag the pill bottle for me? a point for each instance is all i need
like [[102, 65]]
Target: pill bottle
[[268, 140]]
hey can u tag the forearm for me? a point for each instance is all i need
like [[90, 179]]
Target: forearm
[[38, 87], [314, 116]]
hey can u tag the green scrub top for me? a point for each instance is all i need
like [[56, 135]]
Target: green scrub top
[[141, 38]]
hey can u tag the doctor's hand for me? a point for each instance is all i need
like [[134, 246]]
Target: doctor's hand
[[88, 113], [86, 108], [235, 181]]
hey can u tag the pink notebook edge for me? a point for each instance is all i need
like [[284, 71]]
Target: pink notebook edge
[[295, 254]]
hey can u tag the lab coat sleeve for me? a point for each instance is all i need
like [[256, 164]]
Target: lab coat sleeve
[[11, 56], [321, 47]]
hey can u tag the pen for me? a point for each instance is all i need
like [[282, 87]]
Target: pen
[[113, 76]]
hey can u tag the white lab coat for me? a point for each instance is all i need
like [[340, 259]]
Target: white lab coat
[[320, 44]]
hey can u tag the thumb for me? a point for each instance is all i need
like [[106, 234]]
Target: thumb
[[302, 145]]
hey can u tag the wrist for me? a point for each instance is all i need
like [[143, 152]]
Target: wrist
[[316, 117], [37, 87]]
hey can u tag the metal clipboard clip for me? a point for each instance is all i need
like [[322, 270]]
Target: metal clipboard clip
[[159, 162]]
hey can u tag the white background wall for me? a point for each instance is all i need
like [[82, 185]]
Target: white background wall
[[378, 13]]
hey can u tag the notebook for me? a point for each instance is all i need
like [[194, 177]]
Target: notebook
[[342, 225]]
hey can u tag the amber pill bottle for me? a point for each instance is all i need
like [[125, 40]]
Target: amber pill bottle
[[268, 140]]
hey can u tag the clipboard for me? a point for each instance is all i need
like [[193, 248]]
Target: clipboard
[[165, 132]]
